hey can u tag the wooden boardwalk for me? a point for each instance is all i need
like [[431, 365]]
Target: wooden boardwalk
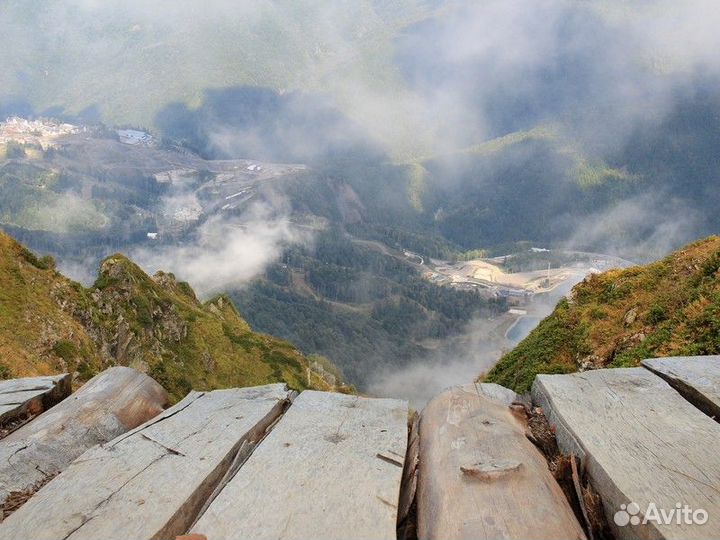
[[331, 468], [149, 483], [641, 443], [696, 378], [108, 405], [480, 476], [264, 462], [32, 395]]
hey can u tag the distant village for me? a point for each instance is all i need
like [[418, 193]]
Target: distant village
[[42, 132], [226, 184], [46, 133]]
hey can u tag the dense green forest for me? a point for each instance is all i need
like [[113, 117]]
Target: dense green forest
[[361, 308]]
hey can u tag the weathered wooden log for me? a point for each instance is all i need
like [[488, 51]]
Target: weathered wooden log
[[494, 392], [32, 395], [407, 517], [109, 404], [641, 443], [480, 477], [331, 468], [152, 481], [697, 378]]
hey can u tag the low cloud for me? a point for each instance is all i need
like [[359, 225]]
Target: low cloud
[[459, 360], [81, 269], [643, 228], [456, 361], [224, 252], [67, 213]]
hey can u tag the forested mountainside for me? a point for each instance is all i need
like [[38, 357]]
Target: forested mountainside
[[620, 317], [593, 117], [360, 303], [342, 288], [326, 134], [50, 324]]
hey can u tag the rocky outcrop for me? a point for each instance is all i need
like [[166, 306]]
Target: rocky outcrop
[[156, 325]]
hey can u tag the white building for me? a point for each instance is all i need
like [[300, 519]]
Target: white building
[[134, 137]]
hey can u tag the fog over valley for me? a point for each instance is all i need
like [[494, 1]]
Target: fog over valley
[[391, 186]]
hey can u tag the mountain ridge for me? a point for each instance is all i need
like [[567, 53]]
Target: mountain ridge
[[157, 325], [618, 318]]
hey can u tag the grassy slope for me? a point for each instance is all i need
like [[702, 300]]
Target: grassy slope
[[616, 319], [32, 325], [50, 324]]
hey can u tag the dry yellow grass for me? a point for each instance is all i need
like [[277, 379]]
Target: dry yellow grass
[[50, 324]]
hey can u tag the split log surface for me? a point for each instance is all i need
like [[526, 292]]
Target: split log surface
[[480, 477], [108, 405], [32, 395], [330, 469], [494, 392], [152, 481], [407, 518], [641, 442], [697, 378]]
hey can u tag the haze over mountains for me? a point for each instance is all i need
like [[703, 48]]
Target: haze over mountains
[[614, 97], [380, 129], [157, 325]]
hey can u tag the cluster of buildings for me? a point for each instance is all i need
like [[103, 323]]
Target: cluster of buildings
[[41, 132], [44, 132]]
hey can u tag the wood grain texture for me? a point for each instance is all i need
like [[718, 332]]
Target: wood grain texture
[[494, 392], [330, 469], [152, 481], [108, 405], [480, 477], [408, 488], [640, 442], [697, 378], [32, 395]]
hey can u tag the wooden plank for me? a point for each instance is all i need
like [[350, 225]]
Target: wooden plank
[[152, 481], [640, 442], [109, 404], [32, 395], [494, 392], [480, 477], [331, 468], [407, 522], [697, 378]]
